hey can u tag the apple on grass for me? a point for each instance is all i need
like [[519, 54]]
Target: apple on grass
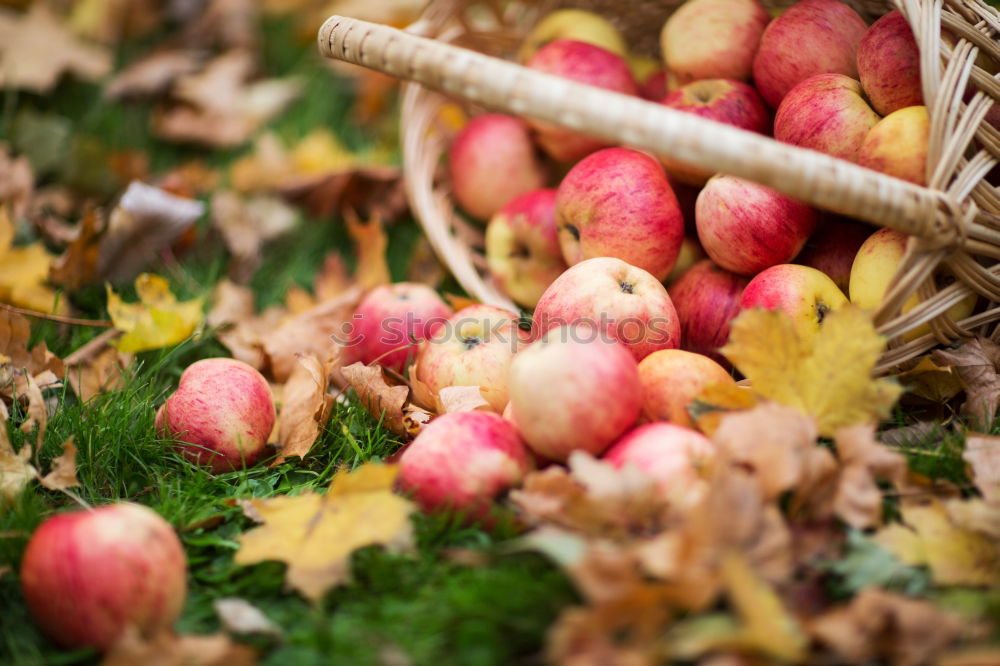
[[462, 461], [675, 457], [672, 379], [491, 161], [707, 298], [583, 63], [618, 203], [827, 113], [88, 575], [576, 24], [474, 347], [574, 389], [888, 62], [897, 145], [391, 321], [833, 246], [872, 273], [723, 100], [625, 303], [745, 227], [713, 39], [221, 414], [805, 294], [522, 246]]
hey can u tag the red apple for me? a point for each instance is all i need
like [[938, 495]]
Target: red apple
[[707, 298], [522, 246], [805, 294], [618, 203], [491, 161], [827, 113], [474, 347], [462, 461], [672, 379], [221, 414], [87, 575], [713, 39], [625, 303], [391, 321], [812, 37], [654, 86], [676, 457], [574, 389], [723, 100], [832, 248], [889, 64], [583, 63]]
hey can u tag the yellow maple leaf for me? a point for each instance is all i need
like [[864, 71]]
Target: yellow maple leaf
[[157, 320], [955, 555], [23, 270], [829, 378], [316, 534]]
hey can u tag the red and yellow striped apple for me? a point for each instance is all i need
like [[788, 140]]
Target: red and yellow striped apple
[[672, 379], [805, 294]]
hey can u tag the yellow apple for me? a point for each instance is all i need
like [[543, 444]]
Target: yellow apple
[[897, 145], [576, 24]]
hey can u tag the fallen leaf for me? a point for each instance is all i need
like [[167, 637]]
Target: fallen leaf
[[231, 303], [169, 649], [146, 220], [830, 378], [976, 362], [384, 401], [157, 320], [36, 49], [97, 367], [715, 401], [16, 182], [462, 399], [17, 362], [306, 406], [110, 21], [246, 224], [62, 474], [955, 555], [239, 616], [37, 412], [152, 74], [23, 270], [190, 179], [864, 460], [15, 470], [224, 24], [931, 381], [218, 107], [982, 453], [78, 264], [370, 244], [316, 534], [881, 625]]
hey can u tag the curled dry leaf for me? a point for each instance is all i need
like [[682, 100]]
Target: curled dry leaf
[[982, 453], [864, 460], [976, 363], [384, 401], [36, 49], [246, 224], [152, 74], [306, 406], [17, 362], [77, 265], [15, 469], [316, 534], [461, 399], [219, 107], [97, 367], [830, 379], [882, 625], [62, 474], [157, 320], [169, 649]]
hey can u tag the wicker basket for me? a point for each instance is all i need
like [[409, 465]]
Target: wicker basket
[[953, 222]]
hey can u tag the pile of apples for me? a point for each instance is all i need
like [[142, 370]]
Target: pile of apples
[[587, 233]]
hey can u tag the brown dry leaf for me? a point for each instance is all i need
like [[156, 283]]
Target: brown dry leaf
[[17, 181], [224, 24], [97, 367], [218, 107], [231, 303], [36, 49], [246, 224], [982, 453], [384, 401], [169, 649], [62, 474], [153, 74], [976, 363], [606, 635], [23, 270], [316, 534], [370, 244], [190, 179], [15, 470], [882, 625], [17, 362], [864, 460], [245, 340], [931, 381], [332, 280], [146, 221], [77, 265], [955, 554], [830, 378], [306, 406], [461, 399], [37, 412]]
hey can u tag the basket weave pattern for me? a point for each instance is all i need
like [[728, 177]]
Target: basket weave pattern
[[953, 222]]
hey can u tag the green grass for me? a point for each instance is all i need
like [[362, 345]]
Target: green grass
[[422, 605]]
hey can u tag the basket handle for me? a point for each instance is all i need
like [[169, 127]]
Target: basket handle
[[813, 177]]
